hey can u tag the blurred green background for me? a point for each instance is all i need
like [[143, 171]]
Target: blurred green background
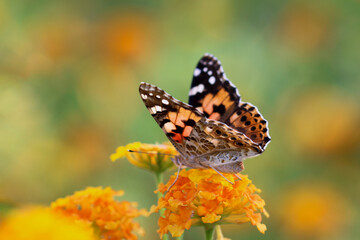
[[69, 76]]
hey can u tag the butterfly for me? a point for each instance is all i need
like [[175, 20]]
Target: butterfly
[[216, 129]]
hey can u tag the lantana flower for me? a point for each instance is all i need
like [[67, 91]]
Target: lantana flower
[[153, 157], [35, 222], [203, 197], [96, 207]]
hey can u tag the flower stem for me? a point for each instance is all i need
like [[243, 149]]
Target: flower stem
[[209, 232], [160, 179]]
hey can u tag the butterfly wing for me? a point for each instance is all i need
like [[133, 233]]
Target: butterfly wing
[[214, 95], [193, 135], [177, 119], [211, 92]]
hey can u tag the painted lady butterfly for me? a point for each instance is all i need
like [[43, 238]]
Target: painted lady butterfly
[[216, 129]]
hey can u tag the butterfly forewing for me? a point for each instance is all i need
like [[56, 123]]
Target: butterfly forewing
[[214, 95], [211, 92], [177, 119]]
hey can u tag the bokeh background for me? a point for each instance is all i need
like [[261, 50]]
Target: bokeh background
[[69, 76]]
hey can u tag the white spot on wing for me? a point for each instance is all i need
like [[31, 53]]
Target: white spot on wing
[[158, 96], [164, 101], [169, 126], [151, 94], [197, 72], [144, 96], [212, 80], [197, 89], [210, 72], [205, 69], [158, 108], [208, 130]]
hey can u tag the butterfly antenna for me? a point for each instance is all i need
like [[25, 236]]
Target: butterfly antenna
[[221, 174], [129, 150], [177, 176]]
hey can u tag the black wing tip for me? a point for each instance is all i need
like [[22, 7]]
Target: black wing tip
[[147, 86], [143, 85], [209, 56]]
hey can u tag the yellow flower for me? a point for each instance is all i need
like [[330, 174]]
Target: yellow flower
[[153, 157], [33, 223], [96, 207], [201, 197]]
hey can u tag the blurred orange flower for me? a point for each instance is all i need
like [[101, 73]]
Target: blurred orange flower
[[203, 197], [96, 207], [153, 157], [323, 124], [126, 38], [34, 223], [305, 28], [314, 211]]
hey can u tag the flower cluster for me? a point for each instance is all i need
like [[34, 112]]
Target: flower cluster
[[153, 157], [43, 223], [97, 207], [203, 197]]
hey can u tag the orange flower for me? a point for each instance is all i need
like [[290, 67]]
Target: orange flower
[[305, 28], [153, 157], [319, 103], [33, 223], [203, 197], [97, 207], [317, 211]]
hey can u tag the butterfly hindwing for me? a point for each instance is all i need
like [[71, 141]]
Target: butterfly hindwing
[[247, 119]]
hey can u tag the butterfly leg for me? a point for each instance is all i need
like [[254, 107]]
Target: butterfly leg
[[221, 174], [177, 176], [238, 176]]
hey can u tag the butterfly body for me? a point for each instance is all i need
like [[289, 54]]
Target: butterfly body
[[215, 130]]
